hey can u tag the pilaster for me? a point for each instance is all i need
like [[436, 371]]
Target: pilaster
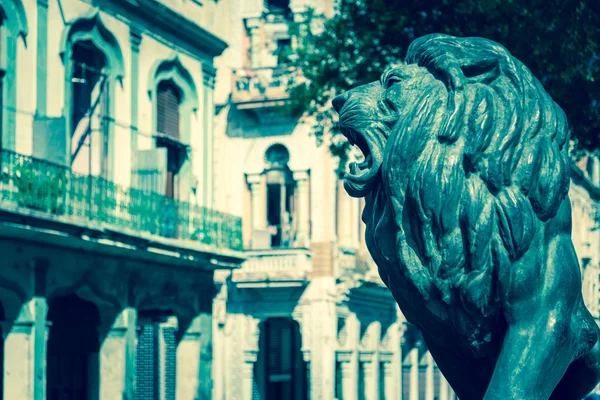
[[369, 363], [135, 39], [42, 57], [323, 316], [117, 354], [444, 388], [250, 357], [208, 77], [302, 182], [429, 379], [194, 360], [349, 366], [25, 344], [414, 373]]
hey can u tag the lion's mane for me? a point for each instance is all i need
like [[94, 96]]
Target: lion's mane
[[476, 162]]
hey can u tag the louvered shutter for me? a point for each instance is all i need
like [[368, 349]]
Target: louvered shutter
[[170, 363], [167, 109], [146, 382]]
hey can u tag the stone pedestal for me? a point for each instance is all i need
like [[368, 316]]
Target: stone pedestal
[[117, 355], [25, 352]]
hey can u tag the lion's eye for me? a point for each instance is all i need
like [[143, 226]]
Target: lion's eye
[[391, 80]]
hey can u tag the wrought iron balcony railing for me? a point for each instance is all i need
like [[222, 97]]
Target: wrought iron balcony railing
[[262, 84], [53, 189]]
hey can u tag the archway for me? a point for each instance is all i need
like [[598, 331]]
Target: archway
[[281, 196], [280, 371], [93, 65], [73, 347]]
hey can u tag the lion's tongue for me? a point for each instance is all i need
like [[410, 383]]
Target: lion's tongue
[[360, 181]]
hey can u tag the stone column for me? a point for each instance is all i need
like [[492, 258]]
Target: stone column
[[117, 355], [25, 344], [258, 220], [429, 379], [250, 357], [302, 182], [389, 381], [323, 317], [414, 373], [368, 361], [443, 388], [349, 379]]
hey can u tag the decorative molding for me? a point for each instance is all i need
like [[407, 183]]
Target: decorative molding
[[209, 73], [92, 28], [301, 176], [162, 21], [17, 20], [135, 37], [174, 69]]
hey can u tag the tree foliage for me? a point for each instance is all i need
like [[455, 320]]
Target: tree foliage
[[559, 40]]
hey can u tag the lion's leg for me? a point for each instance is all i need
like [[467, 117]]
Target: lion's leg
[[533, 359], [583, 374], [581, 377], [542, 297]]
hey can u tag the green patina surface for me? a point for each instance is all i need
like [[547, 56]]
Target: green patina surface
[[465, 180]]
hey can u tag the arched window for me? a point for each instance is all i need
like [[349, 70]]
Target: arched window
[[93, 65], [168, 100], [280, 197], [89, 106]]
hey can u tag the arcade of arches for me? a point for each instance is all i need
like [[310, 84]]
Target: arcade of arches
[[80, 326]]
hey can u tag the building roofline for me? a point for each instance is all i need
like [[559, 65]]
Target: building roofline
[[157, 18]]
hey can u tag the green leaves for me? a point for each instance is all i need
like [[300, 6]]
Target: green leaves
[[559, 40]]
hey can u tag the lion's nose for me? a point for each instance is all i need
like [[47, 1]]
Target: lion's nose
[[339, 101]]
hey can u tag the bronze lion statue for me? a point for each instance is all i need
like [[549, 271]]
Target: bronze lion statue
[[465, 179]]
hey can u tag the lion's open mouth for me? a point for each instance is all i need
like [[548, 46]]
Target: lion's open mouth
[[362, 176]]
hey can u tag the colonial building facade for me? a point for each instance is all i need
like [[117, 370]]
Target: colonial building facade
[[307, 316], [108, 232]]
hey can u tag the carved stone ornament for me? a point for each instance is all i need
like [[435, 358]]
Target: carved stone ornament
[[465, 180]]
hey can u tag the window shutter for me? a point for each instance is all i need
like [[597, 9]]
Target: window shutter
[[170, 363], [167, 109], [146, 386]]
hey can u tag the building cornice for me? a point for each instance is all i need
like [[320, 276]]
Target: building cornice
[[159, 19]]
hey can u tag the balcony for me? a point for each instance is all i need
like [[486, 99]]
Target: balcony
[[266, 86], [275, 267], [38, 188]]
